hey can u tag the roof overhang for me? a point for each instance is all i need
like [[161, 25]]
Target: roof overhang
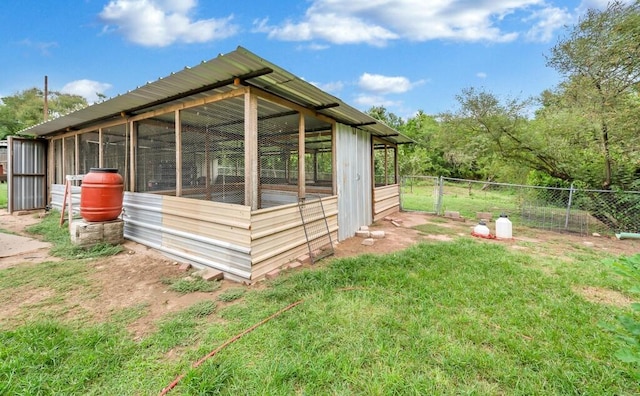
[[219, 75]]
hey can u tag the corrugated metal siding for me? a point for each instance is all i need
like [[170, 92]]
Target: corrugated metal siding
[[27, 172], [143, 218], [57, 195], [353, 159], [386, 200], [202, 233], [278, 235]]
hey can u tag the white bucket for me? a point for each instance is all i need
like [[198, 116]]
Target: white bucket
[[503, 227]]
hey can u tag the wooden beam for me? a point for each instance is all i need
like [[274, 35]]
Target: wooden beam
[[302, 178], [178, 145], [334, 170], [132, 156], [287, 103], [251, 179]]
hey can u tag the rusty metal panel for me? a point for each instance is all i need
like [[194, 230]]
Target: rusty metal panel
[[27, 174], [353, 159]]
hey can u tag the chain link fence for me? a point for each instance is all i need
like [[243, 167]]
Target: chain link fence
[[571, 209]]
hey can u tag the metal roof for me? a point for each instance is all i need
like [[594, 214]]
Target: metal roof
[[218, 75]]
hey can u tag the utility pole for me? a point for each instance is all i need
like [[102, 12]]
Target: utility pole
[[46, 98]]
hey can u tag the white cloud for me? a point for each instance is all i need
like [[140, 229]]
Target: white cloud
[[481, 75], [331, 87], [42, 46], [86, 88], [382, 85], [159, 23], [549, 20], [367, 101], [377, 22]]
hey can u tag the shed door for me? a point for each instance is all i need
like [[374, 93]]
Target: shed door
[[354, 180], [27, 174]]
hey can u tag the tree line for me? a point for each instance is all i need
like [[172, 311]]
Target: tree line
[[583, 131]]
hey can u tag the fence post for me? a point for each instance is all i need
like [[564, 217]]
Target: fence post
[[440, 186], [566, 219]]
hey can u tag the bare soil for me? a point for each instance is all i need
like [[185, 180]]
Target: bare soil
[[134, 278]]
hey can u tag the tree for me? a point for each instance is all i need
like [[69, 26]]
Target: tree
[[26, 108], [601, 59], [487, 137]]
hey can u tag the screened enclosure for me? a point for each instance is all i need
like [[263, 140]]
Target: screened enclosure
[[199, 152]]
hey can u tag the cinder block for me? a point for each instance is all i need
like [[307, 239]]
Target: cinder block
[[87, 234], [304, 259], [377, 234], [294, 265], [184, 267], [273, 274], [452, 214], [363, 234], [368, 242], [364, 228], [486, 216], [213, 275]]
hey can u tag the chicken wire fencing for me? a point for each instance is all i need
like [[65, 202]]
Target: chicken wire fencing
[[571, 209]]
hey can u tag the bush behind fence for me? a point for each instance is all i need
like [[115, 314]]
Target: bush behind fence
[[571, 209]]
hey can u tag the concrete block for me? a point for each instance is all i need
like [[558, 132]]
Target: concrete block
[[273, 274], [452, 214], [368, 241], [87, 234], [364, 228], [304, 259], [377, 234], [294, 265], [363, 234], [184, 267], [486, 216], [213, 275]]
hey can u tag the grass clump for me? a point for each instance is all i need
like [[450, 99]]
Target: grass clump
[[231, 294], [191, 285], [51, 231]]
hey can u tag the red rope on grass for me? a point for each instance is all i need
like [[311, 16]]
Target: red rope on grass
[[228, 342]]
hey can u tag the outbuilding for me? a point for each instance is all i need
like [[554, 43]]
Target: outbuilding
[[234, 164]]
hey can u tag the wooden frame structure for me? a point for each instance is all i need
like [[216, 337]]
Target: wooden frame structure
[[214, 175]]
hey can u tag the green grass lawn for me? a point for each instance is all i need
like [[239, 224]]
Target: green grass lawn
[[460, 317], [3, 195]]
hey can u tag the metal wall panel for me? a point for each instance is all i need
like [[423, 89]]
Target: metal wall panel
[[353, 159], [143, 218], [26, 174]]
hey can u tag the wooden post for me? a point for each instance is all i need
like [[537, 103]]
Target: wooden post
[[178, 131], [251, 180], [302, 177]]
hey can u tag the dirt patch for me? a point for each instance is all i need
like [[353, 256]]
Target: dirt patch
[[603, 296]]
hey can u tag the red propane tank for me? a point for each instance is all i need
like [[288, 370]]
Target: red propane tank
[[101, 195]]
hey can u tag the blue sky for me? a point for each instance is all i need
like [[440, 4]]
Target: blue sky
[[406, 55]]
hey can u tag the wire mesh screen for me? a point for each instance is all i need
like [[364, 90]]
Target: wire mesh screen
[[88, 151], [70, 155], [278, 149], [156, 155], [384, 164], [278, 154], [318, 158], [115, 150], [58, 172], [213, 151]]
